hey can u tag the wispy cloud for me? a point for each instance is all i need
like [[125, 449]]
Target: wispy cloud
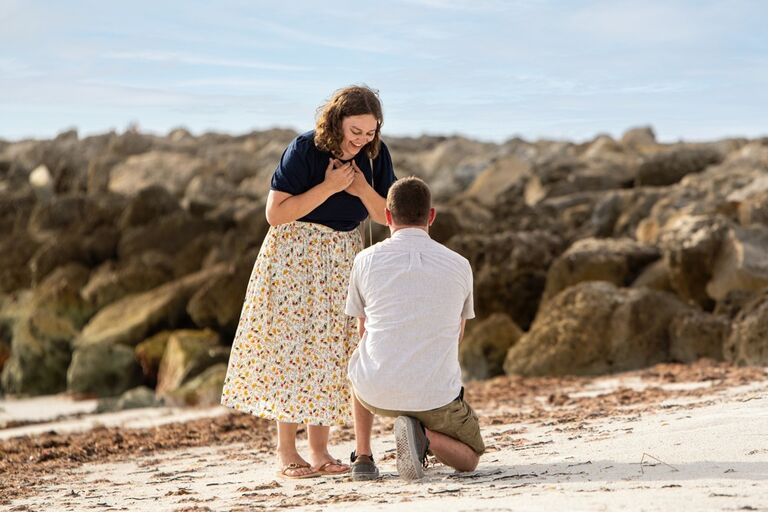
[[194, 60], [652, 21], [365, 41], [467, 5]]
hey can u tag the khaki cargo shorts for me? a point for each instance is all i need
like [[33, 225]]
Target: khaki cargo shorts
[[456, 420]]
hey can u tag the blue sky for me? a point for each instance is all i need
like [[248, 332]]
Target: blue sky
[[487, 69]]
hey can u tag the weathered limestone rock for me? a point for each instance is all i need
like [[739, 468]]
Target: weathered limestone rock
[[135, 398], [669, 166], [741, 263], [102, 369], [131, 319], [204, 389], [594, 328], [618, 261], [149, 353], [748, 340], [40, 347], [171, 170], [641, 138], [485, 346], [696, 335], [691, 245], [188, 354], [510, 270]]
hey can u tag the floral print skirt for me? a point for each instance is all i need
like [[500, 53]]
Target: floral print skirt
[[290, 353]]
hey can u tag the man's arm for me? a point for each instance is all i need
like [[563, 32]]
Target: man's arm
[[461, 333], [361, 327]]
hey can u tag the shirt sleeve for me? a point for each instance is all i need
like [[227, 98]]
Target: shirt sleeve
[[292, 173], [383, 171], [468, 310], [355, 306]]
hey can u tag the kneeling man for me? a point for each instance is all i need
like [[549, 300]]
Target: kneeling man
[[411, 296]]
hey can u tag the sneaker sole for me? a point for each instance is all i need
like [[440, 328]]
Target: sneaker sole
[[361, 477], [408, 462]]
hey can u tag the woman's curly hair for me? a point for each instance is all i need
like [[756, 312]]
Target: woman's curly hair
[[354, 100]]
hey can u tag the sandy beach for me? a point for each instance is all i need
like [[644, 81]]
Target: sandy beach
[[666, 438]]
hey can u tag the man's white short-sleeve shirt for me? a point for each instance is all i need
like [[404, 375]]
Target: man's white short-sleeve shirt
[[413, 293]]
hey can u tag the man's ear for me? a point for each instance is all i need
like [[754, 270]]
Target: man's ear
[[432, 215], [388, 216]]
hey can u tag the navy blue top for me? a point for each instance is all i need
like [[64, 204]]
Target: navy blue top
[[303, 165]]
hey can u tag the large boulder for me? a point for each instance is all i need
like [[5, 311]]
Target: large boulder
[[616, 261], [669, 166], [59, 294], [741, 263], [188, 354], [170, 170], [218, 303], [148, 205], [641, 138], [655, 276], [40, 347], [15, 252], [452, 164], [510, 270], [485, 346], [691, 245], [149, 353], [113, 280], [168, 234], [697, 335], [74, 213], [202, 390], [717, 191], [748, 340], [15, 210], [206, 192], [102, 369], [131, 319], [595, 328], [567, 176], [88, 250], [498, 178]]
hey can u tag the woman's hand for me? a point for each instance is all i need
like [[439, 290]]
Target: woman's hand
[[359, 185], [338, 176]]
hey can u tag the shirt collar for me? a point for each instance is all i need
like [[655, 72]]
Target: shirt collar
[[410, 233]]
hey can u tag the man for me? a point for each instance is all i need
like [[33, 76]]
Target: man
[[412, 297]]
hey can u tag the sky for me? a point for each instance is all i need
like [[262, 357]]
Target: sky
[[485, 69]]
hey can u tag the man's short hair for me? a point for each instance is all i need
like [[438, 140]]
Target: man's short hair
[[409, 200]]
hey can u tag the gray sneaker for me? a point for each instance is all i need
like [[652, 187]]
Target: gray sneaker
[[412, 445], [363, 467]]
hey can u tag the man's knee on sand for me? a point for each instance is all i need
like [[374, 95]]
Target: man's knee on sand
[[453, 432]]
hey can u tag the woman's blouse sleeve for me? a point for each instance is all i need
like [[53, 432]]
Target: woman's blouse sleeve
[[383, 171], [292, 173]]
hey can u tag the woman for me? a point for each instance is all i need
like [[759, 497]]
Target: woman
[[289, 356]]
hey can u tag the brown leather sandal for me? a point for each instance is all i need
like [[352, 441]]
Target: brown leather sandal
[[283, 473], [323, 470]]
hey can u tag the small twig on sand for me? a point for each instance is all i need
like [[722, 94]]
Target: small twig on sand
[[642, 459]]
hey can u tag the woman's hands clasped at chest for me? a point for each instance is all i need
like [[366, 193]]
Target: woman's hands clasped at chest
[[359, 185], [345, 176], [338, 176]]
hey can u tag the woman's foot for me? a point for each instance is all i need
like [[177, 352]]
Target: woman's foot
[[292, 465], [325, 464]]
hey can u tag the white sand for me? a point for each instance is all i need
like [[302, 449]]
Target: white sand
[[64, 415], [715, 457]]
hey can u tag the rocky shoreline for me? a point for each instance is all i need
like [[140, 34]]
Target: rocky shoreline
[[124, 257]]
